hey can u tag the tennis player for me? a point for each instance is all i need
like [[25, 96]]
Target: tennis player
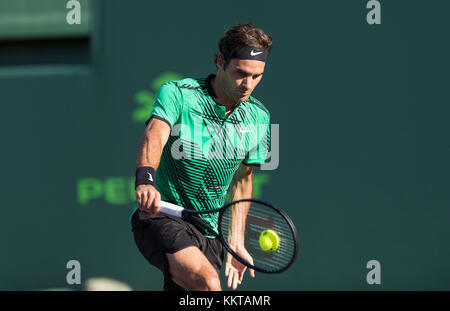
[[202, 140]]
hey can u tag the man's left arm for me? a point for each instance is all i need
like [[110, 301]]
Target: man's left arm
[[242, 184], [241, 188]]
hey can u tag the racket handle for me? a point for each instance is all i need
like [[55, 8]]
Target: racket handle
[[171, 209], [166, 208]]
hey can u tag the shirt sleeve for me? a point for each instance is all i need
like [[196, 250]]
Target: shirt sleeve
[[168, 104], [257, 155]]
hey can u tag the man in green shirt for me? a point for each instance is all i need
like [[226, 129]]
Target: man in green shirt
[[201, 141]]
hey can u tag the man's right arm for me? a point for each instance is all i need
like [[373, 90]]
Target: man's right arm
[[149, 154]]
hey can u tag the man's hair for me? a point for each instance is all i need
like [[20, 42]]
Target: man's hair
[[243, 34]]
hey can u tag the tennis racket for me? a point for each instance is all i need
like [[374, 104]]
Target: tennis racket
[[244, 223]]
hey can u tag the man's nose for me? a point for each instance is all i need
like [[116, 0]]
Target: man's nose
[[247, 83]]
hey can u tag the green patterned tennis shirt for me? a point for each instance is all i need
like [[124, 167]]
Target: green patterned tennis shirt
[[205, 148]]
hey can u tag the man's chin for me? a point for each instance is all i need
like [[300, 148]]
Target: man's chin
[[244, 98]]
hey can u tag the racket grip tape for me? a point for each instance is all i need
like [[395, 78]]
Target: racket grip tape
[[166, 208], [171, 209]]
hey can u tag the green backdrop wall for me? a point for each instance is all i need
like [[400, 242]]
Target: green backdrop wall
[[364, 141]]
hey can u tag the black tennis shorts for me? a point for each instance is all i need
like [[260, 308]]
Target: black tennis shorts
[[168, 234]]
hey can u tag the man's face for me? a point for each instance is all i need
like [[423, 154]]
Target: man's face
[[241, 77]]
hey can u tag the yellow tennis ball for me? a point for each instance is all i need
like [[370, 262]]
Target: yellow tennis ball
[[269, 240]]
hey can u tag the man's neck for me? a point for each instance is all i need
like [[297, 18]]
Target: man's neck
[[221, 97]]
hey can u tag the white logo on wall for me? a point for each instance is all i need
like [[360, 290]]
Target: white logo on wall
[[374, 15], [74, 275], [74, 15], [374, 275]]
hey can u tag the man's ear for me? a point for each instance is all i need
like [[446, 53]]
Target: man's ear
[[221, 61]]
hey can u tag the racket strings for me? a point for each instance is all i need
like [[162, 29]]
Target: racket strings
[[243, 223]]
